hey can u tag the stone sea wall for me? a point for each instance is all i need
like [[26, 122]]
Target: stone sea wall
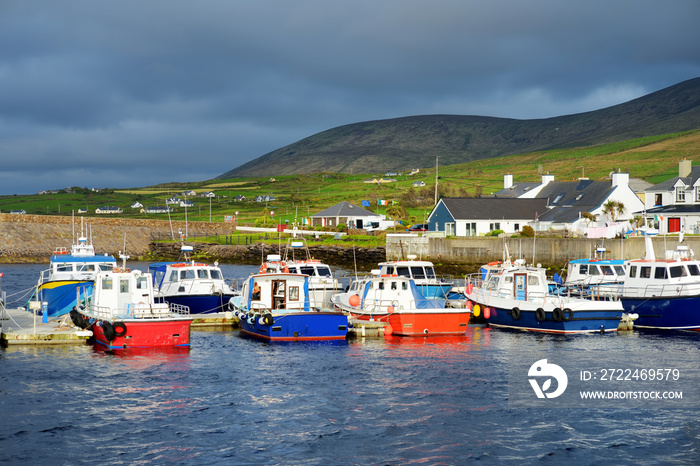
[[33, 238]]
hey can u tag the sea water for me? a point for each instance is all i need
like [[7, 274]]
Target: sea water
[[229, 399]]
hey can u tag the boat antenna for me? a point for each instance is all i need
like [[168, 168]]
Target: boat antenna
[[354, 259]]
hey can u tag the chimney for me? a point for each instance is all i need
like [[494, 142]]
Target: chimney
[[547, 179], [620, 179], [507, 181], [684, 167]]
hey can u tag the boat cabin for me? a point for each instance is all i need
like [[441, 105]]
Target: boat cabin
[[276, 291]]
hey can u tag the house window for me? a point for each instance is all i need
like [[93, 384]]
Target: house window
[[657, 199], [697, 194], [680, 194], [449, 229], [471, 228], [516, 227], [494, 226]]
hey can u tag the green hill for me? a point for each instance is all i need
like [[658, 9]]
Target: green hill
[[402, 144]]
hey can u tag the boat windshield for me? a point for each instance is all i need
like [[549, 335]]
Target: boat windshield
[[491, 282], [694, 269], [324, 271], [216, 274], [418, 272], [202, 274], [620, 270]]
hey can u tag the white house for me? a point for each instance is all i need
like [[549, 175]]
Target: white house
[[136, 205], [674, 205], [345, 213], [567, 201], [478, 216]]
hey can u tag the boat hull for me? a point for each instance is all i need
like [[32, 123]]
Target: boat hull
[[200, 304], [298, 326], [580, 320], [422, 323], [145, 333], [675, 313], [60, 295]]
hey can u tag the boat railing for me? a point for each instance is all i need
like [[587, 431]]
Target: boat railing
[[652, 291]]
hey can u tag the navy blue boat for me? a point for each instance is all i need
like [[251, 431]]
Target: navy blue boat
[[275, 307]]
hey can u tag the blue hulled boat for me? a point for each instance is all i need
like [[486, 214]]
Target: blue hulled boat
[[519, 297], [276, 307], [199, 286], [664, 293], [69, 270]]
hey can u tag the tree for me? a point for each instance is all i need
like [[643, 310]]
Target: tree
[[589, 217], [613, 209]]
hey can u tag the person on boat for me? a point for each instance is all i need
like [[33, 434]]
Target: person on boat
[[256, 291]]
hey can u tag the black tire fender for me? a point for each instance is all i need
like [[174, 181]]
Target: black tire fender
[[540, 314], [119, 329], [515, 313]]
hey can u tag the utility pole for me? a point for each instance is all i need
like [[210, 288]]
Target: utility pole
[[436, 179]]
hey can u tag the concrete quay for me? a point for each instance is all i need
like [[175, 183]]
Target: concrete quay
[[19, 326]]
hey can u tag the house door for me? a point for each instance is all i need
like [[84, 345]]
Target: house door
[[358, 224], [674, 225], [520, 286]]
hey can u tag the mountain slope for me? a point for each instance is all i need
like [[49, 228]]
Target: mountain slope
[[401, 144]]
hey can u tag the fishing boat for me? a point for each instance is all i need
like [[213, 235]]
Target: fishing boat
[[68, 270], [664, 293], [519, 297], [297, 259], [121, 311], [199, 286], [277, 307], [398, 301], [423, 274], [584, 273]]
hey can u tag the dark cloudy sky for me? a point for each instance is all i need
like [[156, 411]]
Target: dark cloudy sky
[[121, 93]]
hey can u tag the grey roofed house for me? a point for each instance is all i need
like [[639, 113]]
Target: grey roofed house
[[485, 208], [568, 199], [345, 209], [345, 212], [477, 216]]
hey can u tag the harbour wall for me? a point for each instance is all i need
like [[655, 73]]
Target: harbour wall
[[33, 238], [550, 252]]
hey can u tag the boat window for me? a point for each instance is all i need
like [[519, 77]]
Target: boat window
[[307, 270], [381, 285], [533, 280], [64, 268], [202, 273], [693, 269], [293, 293], [429, 272], [173, 276], [324, 271], [187, 274], [583, 269], [123, 286], [633, 271], [607, 270], [508, 279], [142, 283], [216, 274], [403, 272], [105, 267], [88, 268], [418, 272], [645, 272], [394, 286], [404, 285], [593, 270], [371, 285], [620, 270], [678, 271], [106, 283], [660, 273]]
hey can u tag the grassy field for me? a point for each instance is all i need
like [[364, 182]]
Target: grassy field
[[653, 159]]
